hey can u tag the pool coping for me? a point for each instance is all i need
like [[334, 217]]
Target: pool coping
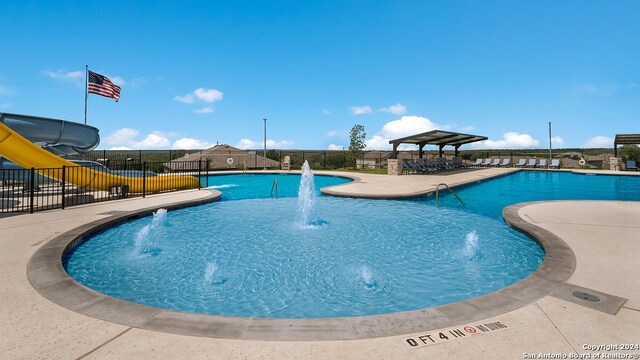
[[46, 274], [334, 190]]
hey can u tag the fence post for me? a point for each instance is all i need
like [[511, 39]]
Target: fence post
[[144, 179], [207, 173], [64, 179], [32, 189], [199, 174]]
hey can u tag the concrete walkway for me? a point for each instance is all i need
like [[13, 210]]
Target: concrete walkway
[[603, 235]]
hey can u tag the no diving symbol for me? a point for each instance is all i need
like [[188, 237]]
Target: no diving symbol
[[470, 329]]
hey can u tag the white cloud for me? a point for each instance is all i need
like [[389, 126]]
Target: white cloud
[[599, 90], [359, 110], [408, 125], [251, 144], [397, 109], [201, 95], [208, 95], [334, 133], [187, 99], [117, 80], [599, 142], [188, 143], [377, 142], [468, 128], [326, 112], [405, 126], [78, 77], [127, 139], [73, 76], [557, 140], [121, 137], [153, 140], [335, 147], [510, 140], [204, 110]]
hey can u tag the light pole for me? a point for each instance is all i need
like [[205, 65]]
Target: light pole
[[549, 144], [265, 144]]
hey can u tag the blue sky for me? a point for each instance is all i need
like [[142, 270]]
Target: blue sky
[[197, 73]]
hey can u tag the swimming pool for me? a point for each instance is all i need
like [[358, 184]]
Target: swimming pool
[[250, 257], [488, 198], [257, 186]]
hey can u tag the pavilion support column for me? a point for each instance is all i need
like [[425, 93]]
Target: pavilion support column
[[420, 147], [456, 151], [440, 147], [395, 151]]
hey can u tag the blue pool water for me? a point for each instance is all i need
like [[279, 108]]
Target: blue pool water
[[255, 186], [490, 197], [252, 257]]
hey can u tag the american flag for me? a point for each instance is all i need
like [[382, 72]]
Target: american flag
[[101, 85]]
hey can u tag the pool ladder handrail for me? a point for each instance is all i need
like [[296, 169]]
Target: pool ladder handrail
[[274, 184], [447, 186]]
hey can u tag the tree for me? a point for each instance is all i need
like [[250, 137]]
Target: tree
[[356, 144], [629, 152]]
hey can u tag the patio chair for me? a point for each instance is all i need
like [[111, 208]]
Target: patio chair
[[531, 163], [555, 163], [286, 163], [631, 165], [478, 162], [542, 163], [505, 162], [496, 162], [406, 169], [521, 163], [487, 162]]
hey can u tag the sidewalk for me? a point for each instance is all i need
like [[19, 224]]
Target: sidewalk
[[602, 234]]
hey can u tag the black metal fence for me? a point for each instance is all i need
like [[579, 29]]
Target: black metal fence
[[29, 190], [318, 159]]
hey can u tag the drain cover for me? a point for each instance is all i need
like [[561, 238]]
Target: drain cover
[[585, 296]]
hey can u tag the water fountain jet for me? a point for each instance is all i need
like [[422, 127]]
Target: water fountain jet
[[144, 243], [306, 197]]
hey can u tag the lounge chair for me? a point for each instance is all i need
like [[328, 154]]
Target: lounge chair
[[496, 162], [505, 162], [531, 163], [478, 162], [631, 165], [406, 169], [487, 162], [543, 163], [521, 163], [555, 163]]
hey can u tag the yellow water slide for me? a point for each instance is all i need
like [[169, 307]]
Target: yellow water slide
[[23, 152]]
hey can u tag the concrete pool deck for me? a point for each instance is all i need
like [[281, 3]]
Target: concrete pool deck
[[602, 234]]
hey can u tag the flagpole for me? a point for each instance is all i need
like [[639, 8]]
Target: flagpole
[[86, 91]]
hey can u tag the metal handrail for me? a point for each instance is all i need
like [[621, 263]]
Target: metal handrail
[[274, 184], [447, 186]]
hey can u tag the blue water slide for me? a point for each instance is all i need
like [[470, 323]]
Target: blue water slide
[[60, 137]]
